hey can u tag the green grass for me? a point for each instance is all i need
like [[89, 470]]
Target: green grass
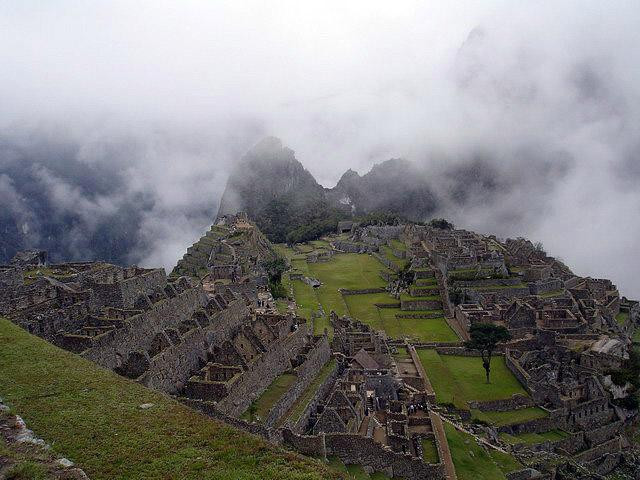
[[282, 305], [622, 318], [92, 416], [398, 245], [349, 270], [407, 298], [346, 270], [511, 416], [271, 395], [305, 297], [27, 471], [636, 335], [533, 438], [363, 308], [457, 379], [388, 254], [473, 462], [305, 397], [554, 293], [429, 451], [416, 329]]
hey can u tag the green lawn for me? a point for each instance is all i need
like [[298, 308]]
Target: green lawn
[[473, 462], [622, 318], [346, 270], [93, 417], [349, 270], [511, 416], [430, 451], [416, 329], [271, 395], [364, 309], [305, 397], [407, 298], [422, 282], [305, 297], [388, 254], [533, 438], [398, 245], [457, 379]]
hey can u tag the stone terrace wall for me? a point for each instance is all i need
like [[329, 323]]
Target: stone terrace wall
[[323, 390], [170, 369], [515, 402], [354, 449], [124, 293], [111, 349], [209, 409], [305, 373], [262, 371], [357, 450]]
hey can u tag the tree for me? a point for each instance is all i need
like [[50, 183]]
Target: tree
[[441, 223], [252, 410], [484, 338], [275, 268]]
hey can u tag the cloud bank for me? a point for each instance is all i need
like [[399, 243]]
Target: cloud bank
[[120, 120]]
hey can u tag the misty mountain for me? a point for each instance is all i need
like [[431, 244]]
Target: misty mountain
[[395, 186], [275, 189]]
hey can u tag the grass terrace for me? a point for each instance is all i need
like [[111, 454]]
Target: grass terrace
[[93, 417], [534, 438], [458, 379], [473, 462], [305, 397], [407, 298], [271, 395], [424, 282], [510, 417], [388, 253], [554, 293], [622, 318], [398, 245], [430, 451], [355, 472]]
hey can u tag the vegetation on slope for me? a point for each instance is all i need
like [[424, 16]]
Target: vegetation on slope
[[93, 417]]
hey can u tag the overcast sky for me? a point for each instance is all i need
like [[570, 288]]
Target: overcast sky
[[169, 94]]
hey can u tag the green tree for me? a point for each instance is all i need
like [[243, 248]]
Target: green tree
[[441, 223], [484, 338], [252, 410]]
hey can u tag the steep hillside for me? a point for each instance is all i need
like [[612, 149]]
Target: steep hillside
[[94, 417], [395, 186], [287, 203]]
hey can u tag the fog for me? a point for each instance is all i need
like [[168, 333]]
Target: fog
[[121, 120]]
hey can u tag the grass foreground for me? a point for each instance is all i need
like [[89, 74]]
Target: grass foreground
[[93, 417]]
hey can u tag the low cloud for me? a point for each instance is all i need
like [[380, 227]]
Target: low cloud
[[121, 121]]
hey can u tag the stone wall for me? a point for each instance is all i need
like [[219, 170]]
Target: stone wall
[[305, 373], [364, 291], [323, 391], [111, 349], [354, 449], [516, 402], [262, 371], [124, 293], [357, 450], [170, 369], [10, 277], [209, 409], [410, 304]]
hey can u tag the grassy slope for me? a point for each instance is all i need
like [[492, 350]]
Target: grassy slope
[[92, 416], [473, 462], [271, 395]]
